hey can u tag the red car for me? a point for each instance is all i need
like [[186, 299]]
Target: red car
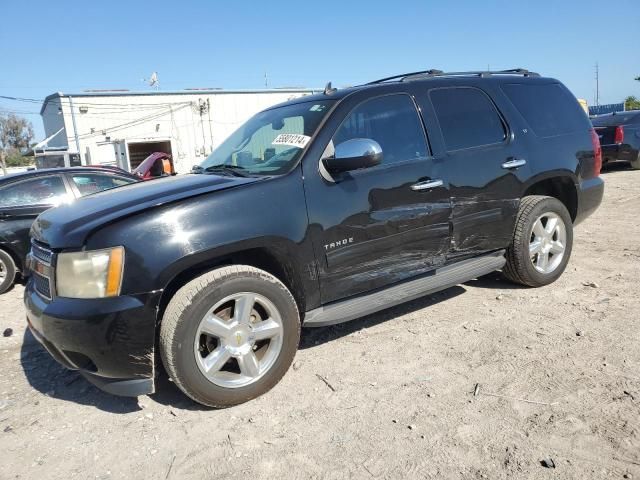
[[156, 165]]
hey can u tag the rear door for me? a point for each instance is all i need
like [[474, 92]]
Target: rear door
[[485, 166], [21, 202], [379, 225]]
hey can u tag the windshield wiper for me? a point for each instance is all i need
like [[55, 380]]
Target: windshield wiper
[[235, 170]]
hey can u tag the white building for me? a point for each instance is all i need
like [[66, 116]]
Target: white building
[[122, 128]]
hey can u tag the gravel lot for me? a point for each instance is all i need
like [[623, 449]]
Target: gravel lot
[[387, 396]]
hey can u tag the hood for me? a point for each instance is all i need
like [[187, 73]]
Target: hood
[[68, 226]]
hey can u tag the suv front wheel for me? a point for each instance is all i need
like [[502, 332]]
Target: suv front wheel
[[229, 335], [542, 242]]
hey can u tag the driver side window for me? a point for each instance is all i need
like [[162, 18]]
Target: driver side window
[[393, 122]]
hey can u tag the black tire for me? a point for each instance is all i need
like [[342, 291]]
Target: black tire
[[8, 269], [187, 308], [519, 267]]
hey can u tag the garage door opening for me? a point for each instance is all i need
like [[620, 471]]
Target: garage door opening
[[140, 150]]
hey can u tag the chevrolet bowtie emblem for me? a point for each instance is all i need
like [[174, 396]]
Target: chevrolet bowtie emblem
[[239, 338]]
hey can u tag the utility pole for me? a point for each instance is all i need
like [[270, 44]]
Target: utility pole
[[75, 129], [266, 80], [597, 85]]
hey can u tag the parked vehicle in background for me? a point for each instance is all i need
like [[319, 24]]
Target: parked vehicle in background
[[156, 165], [23, 196], [619, 135], [314, 212]]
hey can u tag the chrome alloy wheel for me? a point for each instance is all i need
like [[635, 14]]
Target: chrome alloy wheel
[[238, 340], [548, 242], [3, 271]]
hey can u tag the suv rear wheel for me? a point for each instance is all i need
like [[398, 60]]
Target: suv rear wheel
[[542, 242], [229, 335], [7, 271]]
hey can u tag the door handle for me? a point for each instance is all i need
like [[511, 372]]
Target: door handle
[[514, 163], [427, 185], [4, 215]]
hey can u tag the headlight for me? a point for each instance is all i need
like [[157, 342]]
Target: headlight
[[91, 274]]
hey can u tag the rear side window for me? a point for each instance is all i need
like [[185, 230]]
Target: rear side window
[[549, 109], [38, 191], [467, 118], [93, 183], [393, 122]]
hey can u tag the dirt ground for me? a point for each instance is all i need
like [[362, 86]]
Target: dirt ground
[[387, 396]]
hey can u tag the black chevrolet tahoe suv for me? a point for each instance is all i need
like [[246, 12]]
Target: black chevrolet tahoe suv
[[316, 211]]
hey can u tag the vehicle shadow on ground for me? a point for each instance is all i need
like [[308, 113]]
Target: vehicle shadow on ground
[[50, 378], [615, 167], [494, 281], [312, 337], [167, 393]]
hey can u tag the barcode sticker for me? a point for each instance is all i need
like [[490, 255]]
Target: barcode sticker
[[293, 139]]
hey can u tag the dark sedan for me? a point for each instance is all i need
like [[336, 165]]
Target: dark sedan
[[619, 137], [23, 196]]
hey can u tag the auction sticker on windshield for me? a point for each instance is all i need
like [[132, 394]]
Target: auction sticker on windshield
[[293, 139]]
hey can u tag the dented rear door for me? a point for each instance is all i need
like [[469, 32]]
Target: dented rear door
[[485, 166]]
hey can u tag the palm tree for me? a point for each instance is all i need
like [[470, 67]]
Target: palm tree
[[631, 103]]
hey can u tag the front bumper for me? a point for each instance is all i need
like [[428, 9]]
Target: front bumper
[[110, 341]]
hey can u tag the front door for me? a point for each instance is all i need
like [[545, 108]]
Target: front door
[[380, 225], [21, 202]]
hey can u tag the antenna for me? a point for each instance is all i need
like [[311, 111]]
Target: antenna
[[266, 80], [153, 80]]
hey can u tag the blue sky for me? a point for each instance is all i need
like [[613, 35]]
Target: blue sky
[[48, 46]]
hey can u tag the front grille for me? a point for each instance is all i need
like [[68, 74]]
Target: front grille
[[43, 285], [43, 254], [43, 273]]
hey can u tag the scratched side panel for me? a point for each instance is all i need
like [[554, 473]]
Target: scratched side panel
[[482, 220], [398, 234]]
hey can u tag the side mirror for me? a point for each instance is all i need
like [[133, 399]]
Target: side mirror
[[354, 154]]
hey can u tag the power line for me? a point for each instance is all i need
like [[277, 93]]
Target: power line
[[96, 104], [131, 123]]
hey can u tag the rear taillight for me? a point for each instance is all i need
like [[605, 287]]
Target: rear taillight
[[619, 137], [597, 153]]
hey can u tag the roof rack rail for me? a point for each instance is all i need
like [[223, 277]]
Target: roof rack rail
[[401, 76], [439, 73]]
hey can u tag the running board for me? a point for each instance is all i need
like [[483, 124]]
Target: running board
[[442, 278]]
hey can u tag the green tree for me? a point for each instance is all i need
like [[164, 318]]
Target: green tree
[[16, 133], [631, 103]]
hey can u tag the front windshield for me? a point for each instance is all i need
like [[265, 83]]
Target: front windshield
[[269, 143]]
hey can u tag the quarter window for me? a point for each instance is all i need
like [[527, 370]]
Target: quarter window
[[467, 118], [549, 109], [393, 122], [38, 191]]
